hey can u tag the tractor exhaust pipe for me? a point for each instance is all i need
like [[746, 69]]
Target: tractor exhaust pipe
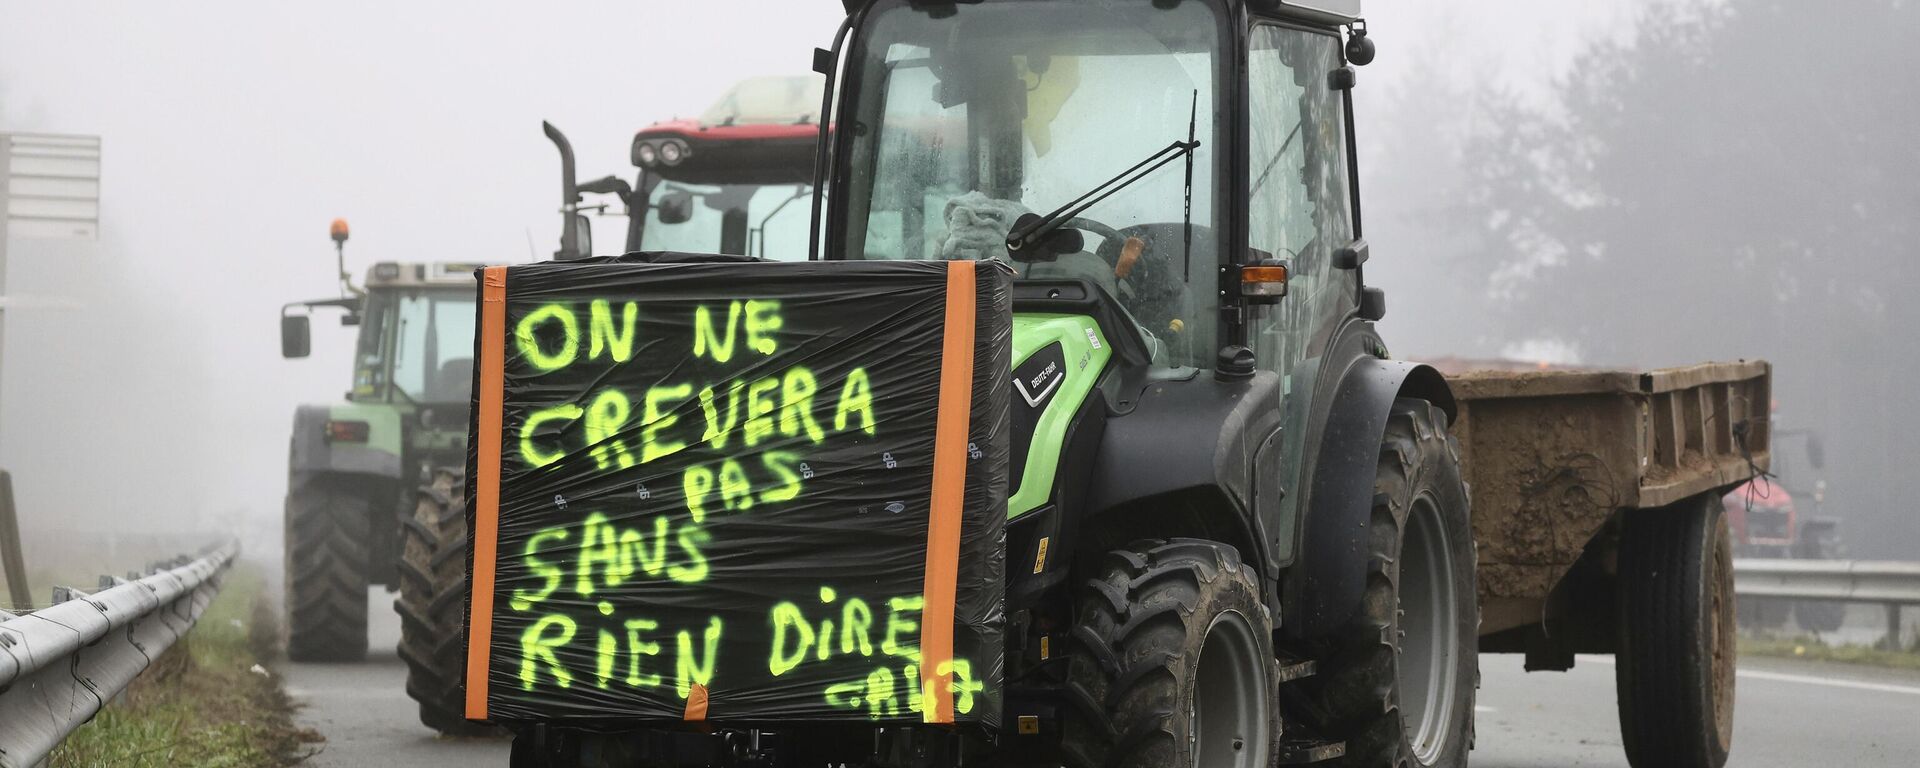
[[570, 226]]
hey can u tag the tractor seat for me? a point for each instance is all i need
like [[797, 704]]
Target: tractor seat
[[454, 382]]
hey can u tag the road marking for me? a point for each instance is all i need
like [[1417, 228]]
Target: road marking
[[1831, 683], [1781, 677], [1482, 709]]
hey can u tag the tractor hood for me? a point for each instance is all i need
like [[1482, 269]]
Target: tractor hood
[[1057, 360]]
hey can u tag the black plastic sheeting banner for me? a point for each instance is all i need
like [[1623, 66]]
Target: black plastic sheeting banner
[[725, 492]]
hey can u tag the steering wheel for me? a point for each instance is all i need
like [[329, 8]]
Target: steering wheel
[[1112, 245], [1110, 238]]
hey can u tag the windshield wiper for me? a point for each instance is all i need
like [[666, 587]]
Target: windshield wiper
[[1032, 227], [1275, 162]]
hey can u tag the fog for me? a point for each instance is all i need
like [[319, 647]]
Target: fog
[[142, 391]]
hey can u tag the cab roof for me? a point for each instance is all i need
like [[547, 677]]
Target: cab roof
[[388, 274], [755, 108], [1329, 11]]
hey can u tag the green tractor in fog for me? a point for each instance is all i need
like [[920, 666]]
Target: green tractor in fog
[[362, 508]]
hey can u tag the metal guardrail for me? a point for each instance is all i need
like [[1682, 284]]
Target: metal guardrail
[[1891, 584], [60, 665], [1853, 581]]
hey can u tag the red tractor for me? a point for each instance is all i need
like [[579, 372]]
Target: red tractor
[[1767, 521], [736, 180]]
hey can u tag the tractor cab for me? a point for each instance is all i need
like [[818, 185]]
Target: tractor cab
[[415, 325], [1092, 142], [735, 180], [416, 335], [1172, 183]]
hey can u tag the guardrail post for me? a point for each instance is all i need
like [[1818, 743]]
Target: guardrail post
[[19, 591], [1893, 627]]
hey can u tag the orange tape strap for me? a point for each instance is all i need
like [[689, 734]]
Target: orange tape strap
[[696, 704], [949, 494], [486, 488]]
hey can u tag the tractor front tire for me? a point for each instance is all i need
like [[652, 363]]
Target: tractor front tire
[[1172, 662], [1398, 686], [432, 606], [1676, 644], [327, 543]]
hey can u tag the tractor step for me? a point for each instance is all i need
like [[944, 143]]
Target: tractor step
[[1295, 670], [1307, 751]]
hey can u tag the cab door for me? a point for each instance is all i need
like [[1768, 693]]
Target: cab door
[[1299, 209]]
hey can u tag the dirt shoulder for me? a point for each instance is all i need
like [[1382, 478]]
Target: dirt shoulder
[[210, 700]]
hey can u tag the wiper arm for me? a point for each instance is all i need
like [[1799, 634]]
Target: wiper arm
[[1031, 228], [1275, 162]]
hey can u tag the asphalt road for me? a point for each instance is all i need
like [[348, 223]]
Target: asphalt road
[[364, 712], [1790, 714]]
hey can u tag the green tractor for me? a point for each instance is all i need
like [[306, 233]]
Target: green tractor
[[1228, 509], [355, 469], [374, 486]]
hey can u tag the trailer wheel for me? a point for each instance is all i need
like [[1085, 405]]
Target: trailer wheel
[[1172, 662], [1398, 687], [1675, 671], [326, 540], [432, 606]]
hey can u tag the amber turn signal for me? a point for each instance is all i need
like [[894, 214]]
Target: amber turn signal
[[1265, 280]]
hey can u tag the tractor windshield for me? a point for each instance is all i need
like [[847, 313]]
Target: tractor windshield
[[768, 221], [416, 346], [966, 119]]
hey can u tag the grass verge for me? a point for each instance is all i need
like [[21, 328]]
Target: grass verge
[[1815, 650], [202, 703]]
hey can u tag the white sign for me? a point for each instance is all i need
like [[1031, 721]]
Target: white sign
[[52, 186]]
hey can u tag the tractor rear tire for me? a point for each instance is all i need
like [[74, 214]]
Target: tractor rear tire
[[1398, 687], [432, 606], [1819, 617], [1172, 662], [327, 550], [1762, 614], [1676, 644]]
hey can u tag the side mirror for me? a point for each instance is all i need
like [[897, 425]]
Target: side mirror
[[296, 336], [675, 208], [1373, 303], [583, 236]]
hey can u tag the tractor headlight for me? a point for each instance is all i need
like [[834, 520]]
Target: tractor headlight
[[646, 154], [672, 152]]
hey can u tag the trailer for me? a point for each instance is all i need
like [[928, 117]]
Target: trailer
[[1597, 511]]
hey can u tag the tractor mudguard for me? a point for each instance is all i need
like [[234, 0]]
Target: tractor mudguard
[[1327, 581], [1199, 434], [313, 454]]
